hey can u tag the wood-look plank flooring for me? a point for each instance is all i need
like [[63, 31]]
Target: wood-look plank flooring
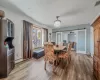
[[80, 68]]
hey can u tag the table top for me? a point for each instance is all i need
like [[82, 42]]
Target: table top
[[59, 48]]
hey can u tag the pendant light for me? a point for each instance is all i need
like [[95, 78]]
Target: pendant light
[[57, 22]]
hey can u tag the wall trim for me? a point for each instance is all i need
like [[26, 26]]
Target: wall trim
[[18, 60], [82, 52]]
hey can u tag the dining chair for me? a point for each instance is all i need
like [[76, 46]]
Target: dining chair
[[66, 49], [49, 54], [73, 45], [53, 43], [66, 56]]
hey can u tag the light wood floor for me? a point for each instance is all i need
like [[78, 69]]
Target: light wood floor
[[81, 68]]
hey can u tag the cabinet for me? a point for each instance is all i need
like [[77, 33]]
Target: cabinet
[[10, 29], [6, 54], [96, 57]]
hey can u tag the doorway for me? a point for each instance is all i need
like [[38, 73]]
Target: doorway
[[72, 38], [58, 37]]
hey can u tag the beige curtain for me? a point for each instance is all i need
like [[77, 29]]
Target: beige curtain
[[45, 35], [27, 40]]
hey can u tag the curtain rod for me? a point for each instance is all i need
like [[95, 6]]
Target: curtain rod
[[36, 26], [68, 30]]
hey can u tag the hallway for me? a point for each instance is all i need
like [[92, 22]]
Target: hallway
[[79, 69]]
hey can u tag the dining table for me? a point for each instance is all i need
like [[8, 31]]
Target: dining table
[[59, 48]]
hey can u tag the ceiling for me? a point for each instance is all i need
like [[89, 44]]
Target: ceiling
[[71, 12]]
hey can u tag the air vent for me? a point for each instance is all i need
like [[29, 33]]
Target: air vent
[[97, 3]]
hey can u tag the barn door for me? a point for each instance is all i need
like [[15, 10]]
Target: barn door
[[81, 41]]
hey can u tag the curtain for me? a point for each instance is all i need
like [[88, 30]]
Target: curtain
[[45, 35], [27, 40]]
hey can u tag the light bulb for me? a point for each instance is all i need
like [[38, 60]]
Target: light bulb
[[57, 23]]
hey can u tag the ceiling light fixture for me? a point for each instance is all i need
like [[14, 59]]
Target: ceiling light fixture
[[57, 22]]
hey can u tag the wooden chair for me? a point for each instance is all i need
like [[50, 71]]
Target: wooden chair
[[67, 47], [66, 56], [49, 54], [73, 45]]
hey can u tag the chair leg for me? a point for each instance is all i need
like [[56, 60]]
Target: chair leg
[[63, 63], [69, 59], [67, 64], [53, 67], [45, 65], [57, 62]]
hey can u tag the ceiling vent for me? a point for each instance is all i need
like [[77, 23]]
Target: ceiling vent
[[97, 3]]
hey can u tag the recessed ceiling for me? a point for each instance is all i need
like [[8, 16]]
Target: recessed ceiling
[[71, 12]]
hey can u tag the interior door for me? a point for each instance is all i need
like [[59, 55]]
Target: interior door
[[81, 41], [58, 37]]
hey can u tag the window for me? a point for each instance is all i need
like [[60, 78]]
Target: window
[[39, 36]]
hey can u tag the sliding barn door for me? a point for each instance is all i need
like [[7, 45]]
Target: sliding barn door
[[81, 41]]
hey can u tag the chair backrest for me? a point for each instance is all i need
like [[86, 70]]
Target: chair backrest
[[68, 44], [73, 44], [53, 43], [49, 50], [69, 48]]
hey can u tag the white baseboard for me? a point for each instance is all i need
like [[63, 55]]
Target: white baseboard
[[19, 60], [92, 54], [81, 52]]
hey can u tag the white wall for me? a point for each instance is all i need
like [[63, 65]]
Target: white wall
[[18, 24], [65, 36], [72, 37]]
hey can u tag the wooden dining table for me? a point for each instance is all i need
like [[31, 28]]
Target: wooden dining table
[[59, 48]]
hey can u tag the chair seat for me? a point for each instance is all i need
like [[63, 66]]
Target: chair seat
[[50, 58], [65, 55]]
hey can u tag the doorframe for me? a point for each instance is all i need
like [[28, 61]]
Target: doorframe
[[56, 36], [84, 52]]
